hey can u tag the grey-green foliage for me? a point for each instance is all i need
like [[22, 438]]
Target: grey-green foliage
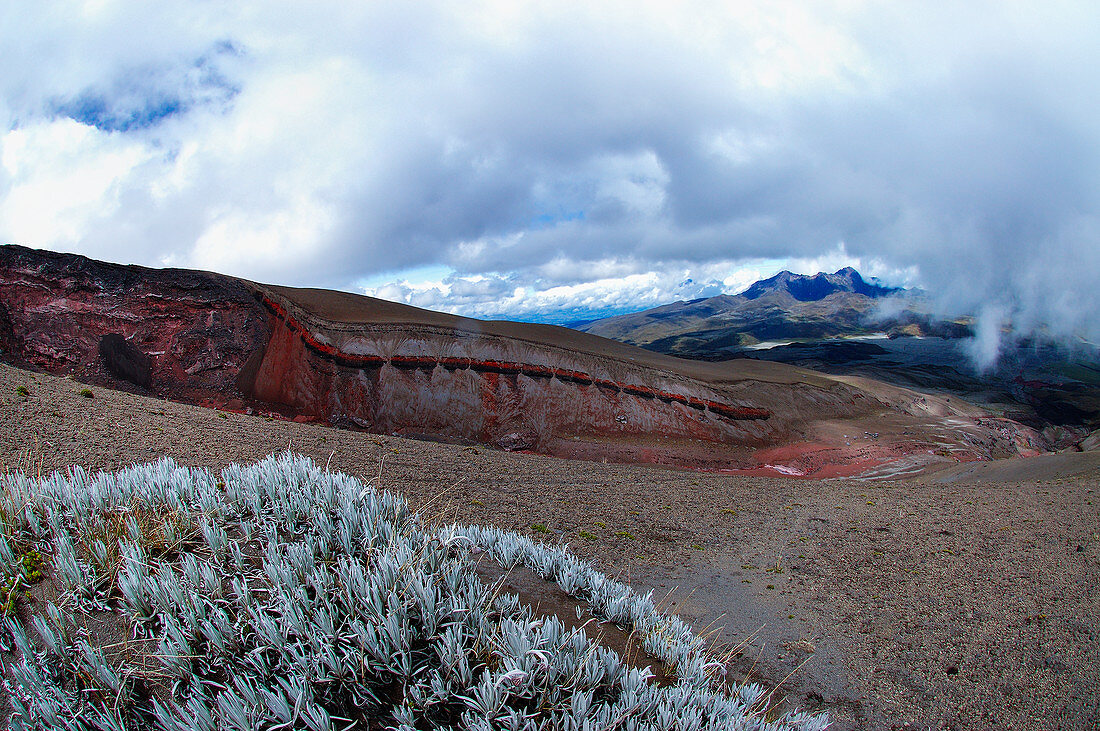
[[301, 599]]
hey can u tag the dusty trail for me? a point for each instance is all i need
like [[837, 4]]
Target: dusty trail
[[962, 605]]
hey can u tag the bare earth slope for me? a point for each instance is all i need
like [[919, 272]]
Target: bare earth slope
[[358, 362], [936, 605]]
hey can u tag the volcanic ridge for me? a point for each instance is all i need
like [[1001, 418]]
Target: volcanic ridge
[[784, 307], [362, 363]]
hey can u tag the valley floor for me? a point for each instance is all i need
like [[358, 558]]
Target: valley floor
[[958, 605]]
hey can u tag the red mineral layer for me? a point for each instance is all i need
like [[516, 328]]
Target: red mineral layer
[[494, 367], [355, 361]]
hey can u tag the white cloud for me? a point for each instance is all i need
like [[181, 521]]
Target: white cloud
[[636, 183], [560, 292], [63, 178], [566, 155]]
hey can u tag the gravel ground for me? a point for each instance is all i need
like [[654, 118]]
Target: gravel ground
[[892, 605]]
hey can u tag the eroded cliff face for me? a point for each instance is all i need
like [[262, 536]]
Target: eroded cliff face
[[212, 339], [355, 362], [197, 329], [468, 384]]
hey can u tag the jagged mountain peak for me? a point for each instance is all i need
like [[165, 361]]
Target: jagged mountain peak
[[785, 306], [814, 287]]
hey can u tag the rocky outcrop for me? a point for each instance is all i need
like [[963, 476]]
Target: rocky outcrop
[[438, 379], [125, 361], [1091, 443], [357, 362], [7, 335], [816, 287], [180, 333]]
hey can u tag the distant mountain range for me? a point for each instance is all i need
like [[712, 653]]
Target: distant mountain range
[[816, 287], [823, 321], [785, 307]]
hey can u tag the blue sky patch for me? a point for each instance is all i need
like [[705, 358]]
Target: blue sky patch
[[141, 98], [103, 113], [547, 220]]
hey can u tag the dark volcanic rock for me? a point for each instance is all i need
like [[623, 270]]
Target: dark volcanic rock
[[197, 329], [7, 337], [125, 361], [812, 288], [517, 441]]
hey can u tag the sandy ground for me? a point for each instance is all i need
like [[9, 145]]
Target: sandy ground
[[957, 605]]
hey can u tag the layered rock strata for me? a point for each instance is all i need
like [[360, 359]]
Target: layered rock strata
[[358, 362]]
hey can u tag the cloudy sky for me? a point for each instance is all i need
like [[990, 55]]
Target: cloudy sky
[[557, 160]]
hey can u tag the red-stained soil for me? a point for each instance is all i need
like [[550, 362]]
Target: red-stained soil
[[361, 363]]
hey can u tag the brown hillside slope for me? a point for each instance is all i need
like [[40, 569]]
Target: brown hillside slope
[[364, 363], [912, 604]]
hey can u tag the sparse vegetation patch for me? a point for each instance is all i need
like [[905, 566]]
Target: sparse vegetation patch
[[282, 596]]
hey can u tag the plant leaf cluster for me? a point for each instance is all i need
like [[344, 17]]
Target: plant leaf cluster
[[283, 596]]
